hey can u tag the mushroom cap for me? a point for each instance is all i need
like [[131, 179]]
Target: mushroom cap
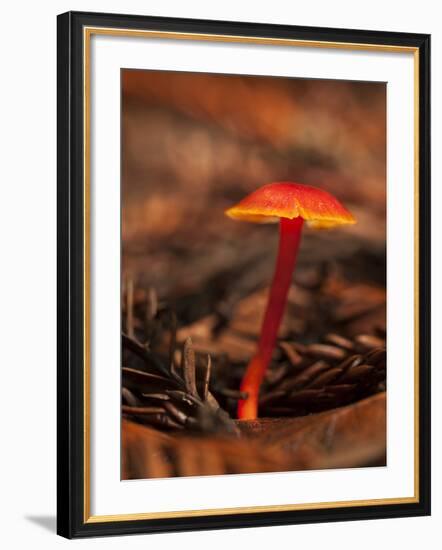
[[290, 200]]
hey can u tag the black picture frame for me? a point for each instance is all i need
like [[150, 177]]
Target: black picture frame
[[72, 522]]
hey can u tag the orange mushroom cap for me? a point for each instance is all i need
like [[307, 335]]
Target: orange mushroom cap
[[291, 200]]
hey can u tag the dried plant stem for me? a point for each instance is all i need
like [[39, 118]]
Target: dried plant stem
[[130, 307]]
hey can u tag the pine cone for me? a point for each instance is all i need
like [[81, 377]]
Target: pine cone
[[324, 376], [163, 398]]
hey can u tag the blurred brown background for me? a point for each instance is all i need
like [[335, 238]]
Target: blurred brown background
[[194, 144]]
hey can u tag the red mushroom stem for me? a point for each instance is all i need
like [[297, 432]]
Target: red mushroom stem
[[289, 239]]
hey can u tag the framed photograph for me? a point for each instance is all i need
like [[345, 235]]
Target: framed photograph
[[243, 274]]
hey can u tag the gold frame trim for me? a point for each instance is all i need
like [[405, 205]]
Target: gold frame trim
[[87, 34]]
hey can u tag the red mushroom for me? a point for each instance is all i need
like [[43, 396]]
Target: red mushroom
[[290, 204]]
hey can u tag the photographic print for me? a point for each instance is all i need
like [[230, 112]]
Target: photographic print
[[243, 274], [253, 274]]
